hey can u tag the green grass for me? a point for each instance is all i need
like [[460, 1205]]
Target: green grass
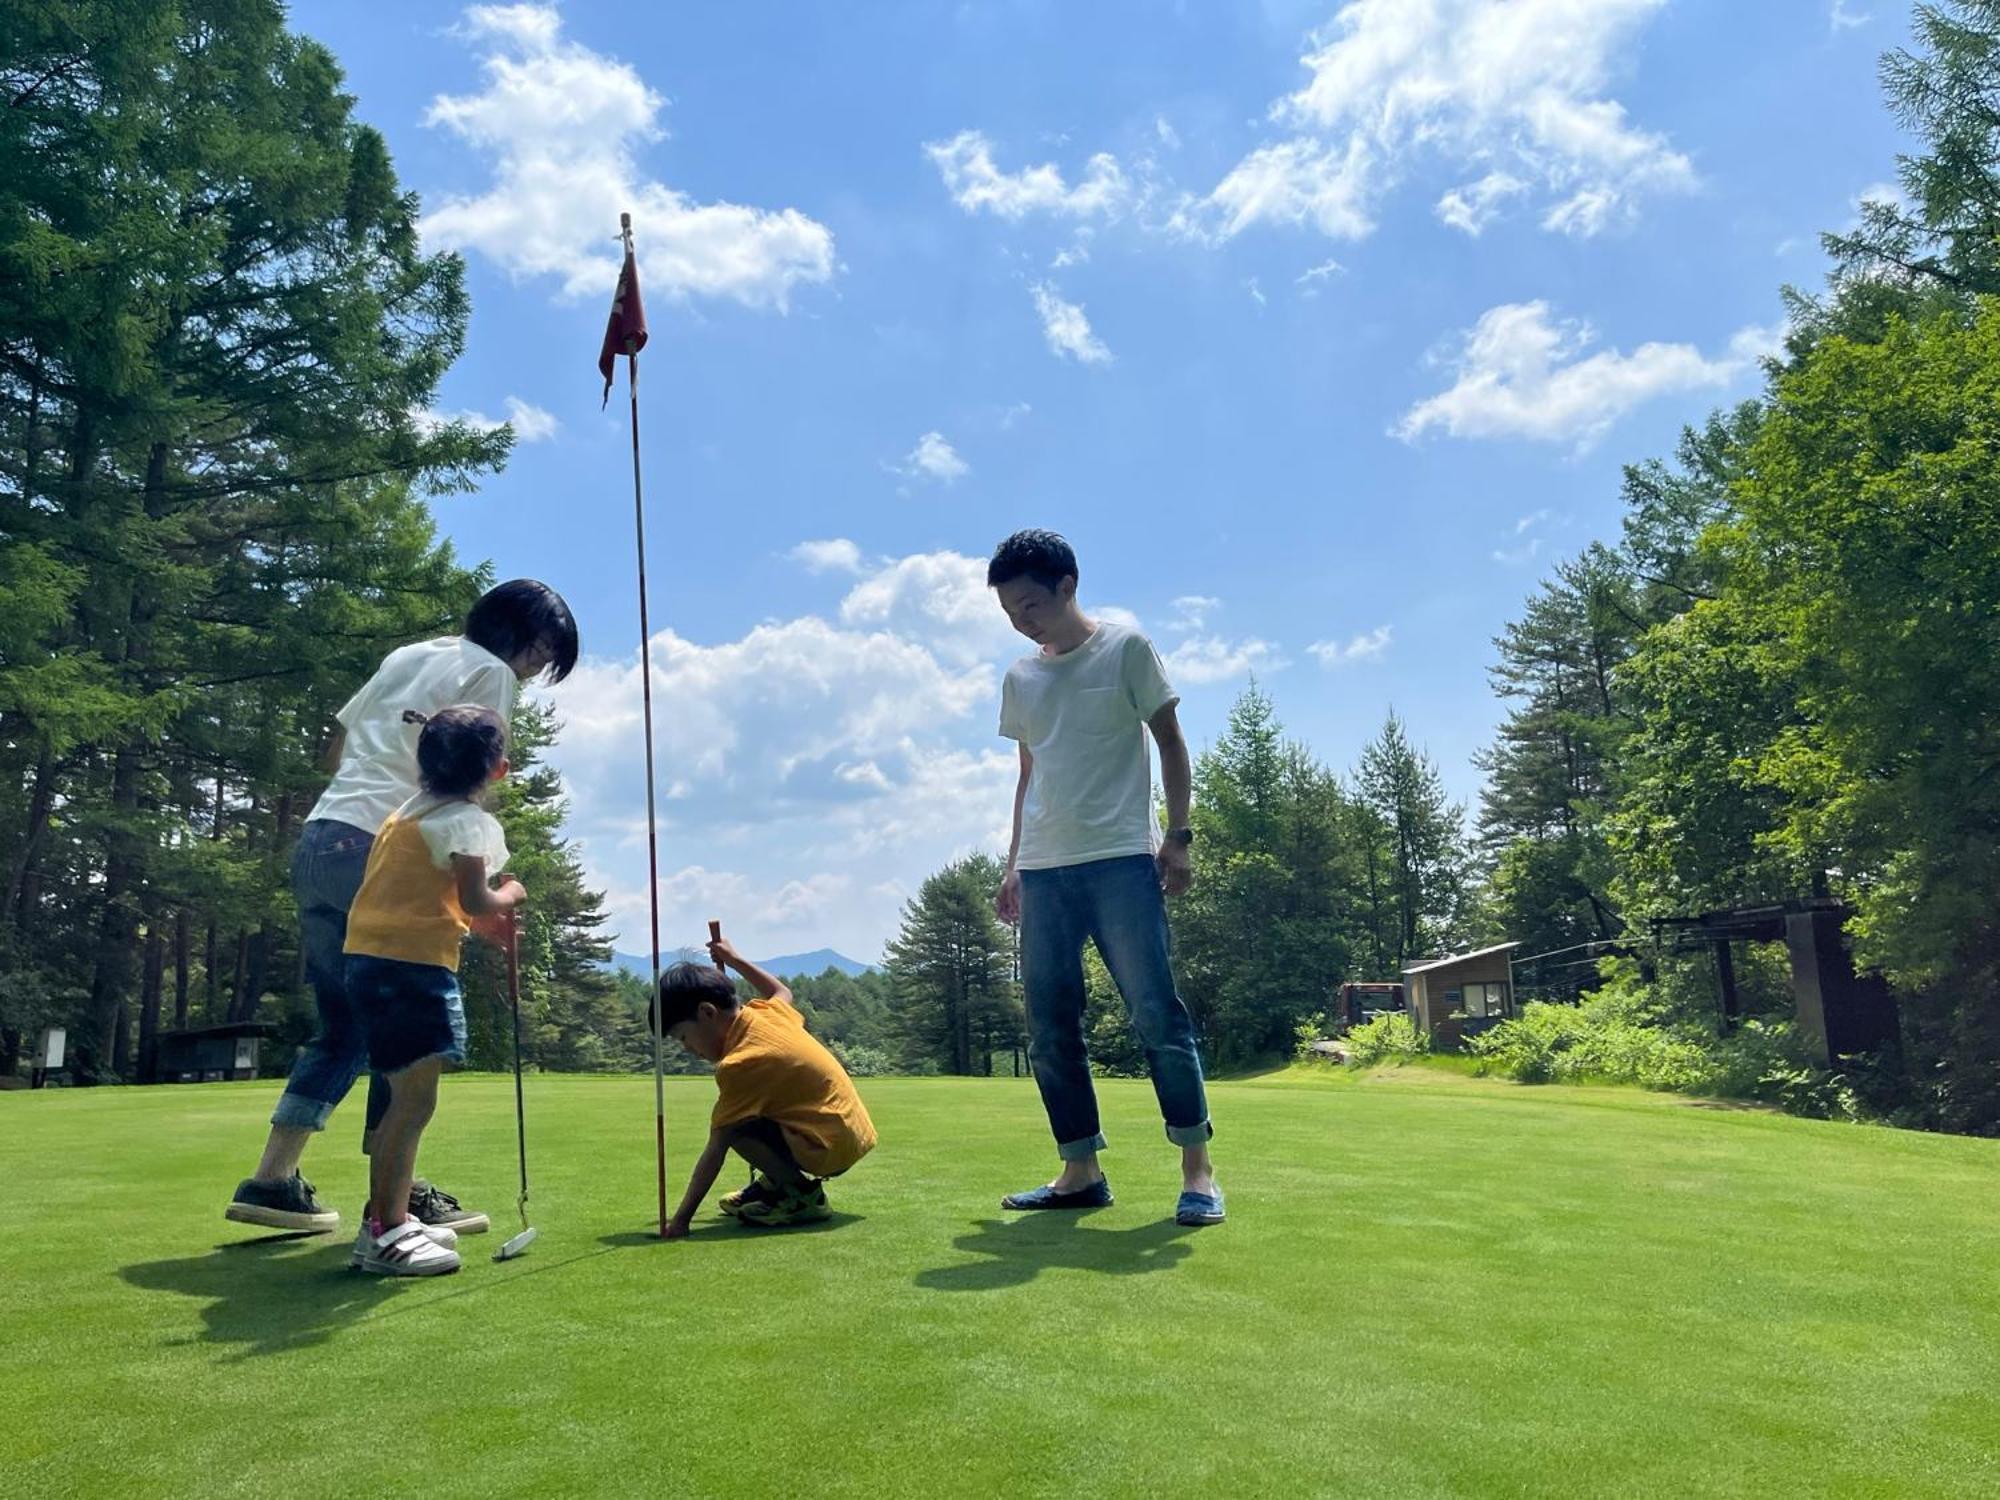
[[1429, 1285]]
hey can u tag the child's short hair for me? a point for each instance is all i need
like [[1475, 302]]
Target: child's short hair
[[684, 986], [520, 615], [459, 748], [1041, 555]]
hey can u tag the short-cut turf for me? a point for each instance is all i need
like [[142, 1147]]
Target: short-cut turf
[[1428, 1285]]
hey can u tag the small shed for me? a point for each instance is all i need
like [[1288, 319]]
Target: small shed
[[211, 1054], [1457, 997]]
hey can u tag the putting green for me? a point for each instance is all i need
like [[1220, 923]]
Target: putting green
[[1428, 1285]]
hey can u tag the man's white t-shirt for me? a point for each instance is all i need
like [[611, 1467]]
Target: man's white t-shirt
[[1083, 716], [378, 762]]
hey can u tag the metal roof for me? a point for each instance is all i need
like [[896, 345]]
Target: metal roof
[[1459, 958]]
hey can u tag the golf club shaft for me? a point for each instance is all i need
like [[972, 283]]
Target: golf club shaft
[[514, 997]]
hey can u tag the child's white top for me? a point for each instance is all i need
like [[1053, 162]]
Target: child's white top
[[1083, 716], [378, 763], [457, 825]]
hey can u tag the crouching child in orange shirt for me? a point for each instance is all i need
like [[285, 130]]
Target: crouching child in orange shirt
[[783, 1102]]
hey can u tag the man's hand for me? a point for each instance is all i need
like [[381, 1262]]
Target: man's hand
[[1007, 905], [1175, 867]]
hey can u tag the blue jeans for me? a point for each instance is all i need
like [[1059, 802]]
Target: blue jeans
[[1118, 904], [326, 875]]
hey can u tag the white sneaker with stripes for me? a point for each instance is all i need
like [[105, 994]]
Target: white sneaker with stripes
[[437, 1234], [406, 1250]]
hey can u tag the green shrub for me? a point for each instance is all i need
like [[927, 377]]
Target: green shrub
[[1628, 1032], [1391, 1038]]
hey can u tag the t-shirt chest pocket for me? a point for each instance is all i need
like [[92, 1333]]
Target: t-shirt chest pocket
[[1098, 710]]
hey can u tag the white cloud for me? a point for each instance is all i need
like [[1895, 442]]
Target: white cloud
[[562, 126], [531, 423], [977, 184], [1169, 137], [1472, 207], [1291, 182], [1309, 280], [1880, 194], [1366, 647], [1205, 659], [1840, 18], [1514, 557], [1515, 87], [813, 769], [1530, 522], [939, 598], [1078, 251], [1191, 611], [1256, 292], [933, 458], [836, 555], [1013, 414], [1066, 328], [1520, 373]]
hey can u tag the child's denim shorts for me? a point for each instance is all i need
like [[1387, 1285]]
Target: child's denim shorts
[[410, 1011]]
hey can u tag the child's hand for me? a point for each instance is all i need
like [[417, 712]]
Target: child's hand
[[723, 955], [677, 1229], [511, 893]]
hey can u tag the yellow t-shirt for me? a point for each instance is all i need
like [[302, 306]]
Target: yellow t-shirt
[[408, 906], [775, 1069]]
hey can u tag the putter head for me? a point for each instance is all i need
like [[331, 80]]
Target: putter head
[[516, 1245]]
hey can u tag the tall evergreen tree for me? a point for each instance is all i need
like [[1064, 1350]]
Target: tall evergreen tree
[[1422, 852], [951, 966]]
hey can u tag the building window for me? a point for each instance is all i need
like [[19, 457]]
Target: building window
[[1483, 1000]]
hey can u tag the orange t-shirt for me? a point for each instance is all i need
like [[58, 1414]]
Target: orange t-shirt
[[774, 1069]]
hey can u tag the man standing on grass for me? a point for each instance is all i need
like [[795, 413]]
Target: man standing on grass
[[1085, 863]]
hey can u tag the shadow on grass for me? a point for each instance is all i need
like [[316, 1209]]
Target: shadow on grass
[[1019, 1250], [271, 1295], [726, 1229]]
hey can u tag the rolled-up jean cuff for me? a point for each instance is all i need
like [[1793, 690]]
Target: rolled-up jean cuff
[[1191, 1135], [301, 1112], [1078, 1150]]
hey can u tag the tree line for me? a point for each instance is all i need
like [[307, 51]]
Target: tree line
[[219, 341]]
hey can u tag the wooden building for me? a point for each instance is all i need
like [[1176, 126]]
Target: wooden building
[[212, 1054], [1457, 997]]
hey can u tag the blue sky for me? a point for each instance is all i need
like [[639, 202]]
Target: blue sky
[[1321, 330]]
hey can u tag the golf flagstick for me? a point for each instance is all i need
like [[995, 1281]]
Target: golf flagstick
[[526, 1237], [625, 333]]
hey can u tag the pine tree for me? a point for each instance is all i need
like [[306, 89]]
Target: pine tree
[[951, 965]]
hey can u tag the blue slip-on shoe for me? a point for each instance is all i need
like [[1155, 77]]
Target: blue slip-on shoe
[[1195, 1209], [1097, 1195]]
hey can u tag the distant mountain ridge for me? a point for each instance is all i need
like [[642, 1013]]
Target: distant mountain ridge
[[786, 966]]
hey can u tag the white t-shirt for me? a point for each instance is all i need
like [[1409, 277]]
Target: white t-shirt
[[378, 763], [1083, 716]]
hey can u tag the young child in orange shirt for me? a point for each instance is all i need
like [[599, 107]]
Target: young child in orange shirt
[[783, 1102]]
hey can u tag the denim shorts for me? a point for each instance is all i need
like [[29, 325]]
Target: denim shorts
[[410, 1011]]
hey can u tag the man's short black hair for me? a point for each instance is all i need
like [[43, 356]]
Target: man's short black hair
[[520, 615], [684, 986], [1041, 555], [459, 748]]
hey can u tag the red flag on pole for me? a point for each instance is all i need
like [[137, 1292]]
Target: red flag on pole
[[625, 334], [625, 329]]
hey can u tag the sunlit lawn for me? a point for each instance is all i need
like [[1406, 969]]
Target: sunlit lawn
[[1428, 1285]]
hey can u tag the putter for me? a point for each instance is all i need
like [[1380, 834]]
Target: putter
[[526, 1237]]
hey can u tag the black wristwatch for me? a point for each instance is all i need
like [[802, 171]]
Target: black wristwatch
[[1181, 836]]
